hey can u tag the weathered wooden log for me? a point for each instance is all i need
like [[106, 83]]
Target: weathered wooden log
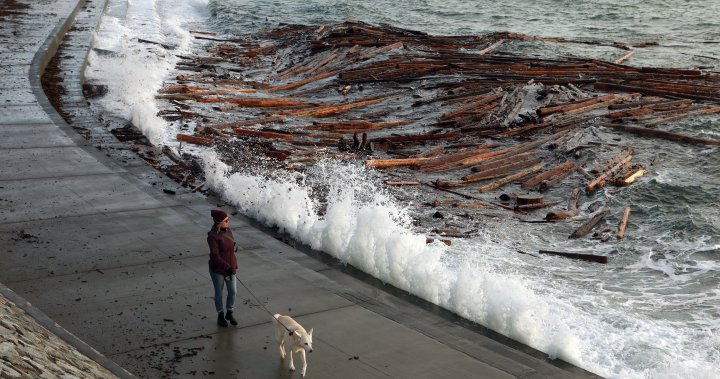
[[585, 228], [498, 171], [490, 48], [469, 205], [683, 115], [624, 57], [311, 152], [605, 86], [383, 163], [600, 180], [501, 182], [623, 223], [356, 126], [483, 100], [630, 113], [529, 199], [553, 181], [444, 161], [546, 111], [710, 90], [262, 134], [584, 257], [418, 137], [195, 140], [500, 162], [571, 210], [329, 110], [377, 51], [435, 151], [250, 102], [466, 196], [401, 183], [612, 161], [536, 180], [664, 135], [256, 121], [629, 177], [300, 83], [617, 98], [527, 207]]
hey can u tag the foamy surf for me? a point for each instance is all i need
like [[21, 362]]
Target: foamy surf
[[134, 50]]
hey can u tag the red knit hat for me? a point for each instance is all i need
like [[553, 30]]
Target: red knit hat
[[218, 215]]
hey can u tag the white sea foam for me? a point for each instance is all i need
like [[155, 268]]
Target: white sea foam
[[133, 70]]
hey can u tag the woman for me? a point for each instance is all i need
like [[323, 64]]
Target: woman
[[223, 265]]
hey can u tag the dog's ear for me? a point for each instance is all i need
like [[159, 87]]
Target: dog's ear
[[310, 332]]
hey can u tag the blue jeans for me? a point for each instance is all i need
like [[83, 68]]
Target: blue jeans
[[218, 282]]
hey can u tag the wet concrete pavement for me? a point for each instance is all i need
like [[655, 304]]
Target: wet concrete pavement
[[95, 245]]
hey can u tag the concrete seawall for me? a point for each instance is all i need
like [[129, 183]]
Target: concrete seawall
[[116, 268]]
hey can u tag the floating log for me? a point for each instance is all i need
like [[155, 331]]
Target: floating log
[[300, 83], [256, 121], [609, 163], [626, 180], [584, 257], [605, 86], [501, 182], [587, 227], [529, 199], [329, 110], [683, 115], [490, 48], [483, 100], [383, 163], [467, 196], [528, 207], [251, 102], [600, 180], [311, 152], [536, 180], [571, 210], [664, 135], [502, 161], [623, 223], [498, 171], [552, 182], [194, 139], [624, 57], [546, 111], [400, 183], [263, 134]]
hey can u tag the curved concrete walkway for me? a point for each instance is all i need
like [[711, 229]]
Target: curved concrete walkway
[[123, 266]]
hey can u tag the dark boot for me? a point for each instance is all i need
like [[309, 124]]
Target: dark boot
[[229, 317], [221, 320]]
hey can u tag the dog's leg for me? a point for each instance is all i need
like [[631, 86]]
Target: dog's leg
[[292, 366], [304, 362], [282, 349]]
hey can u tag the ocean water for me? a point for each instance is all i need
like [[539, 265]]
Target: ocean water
[[652, 312]]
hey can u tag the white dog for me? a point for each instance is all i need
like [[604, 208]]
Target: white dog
[[290, 334]]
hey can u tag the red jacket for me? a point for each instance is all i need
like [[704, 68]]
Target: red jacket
[[222, 251]]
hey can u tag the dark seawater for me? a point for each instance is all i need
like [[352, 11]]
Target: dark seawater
[[652, 312]]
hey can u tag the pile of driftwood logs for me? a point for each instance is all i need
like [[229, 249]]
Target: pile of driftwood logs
[[446, 114]]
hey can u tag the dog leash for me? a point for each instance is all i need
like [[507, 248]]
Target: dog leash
[[262, 306]]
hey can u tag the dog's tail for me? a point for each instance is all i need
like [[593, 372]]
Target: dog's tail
[[275, 318]]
